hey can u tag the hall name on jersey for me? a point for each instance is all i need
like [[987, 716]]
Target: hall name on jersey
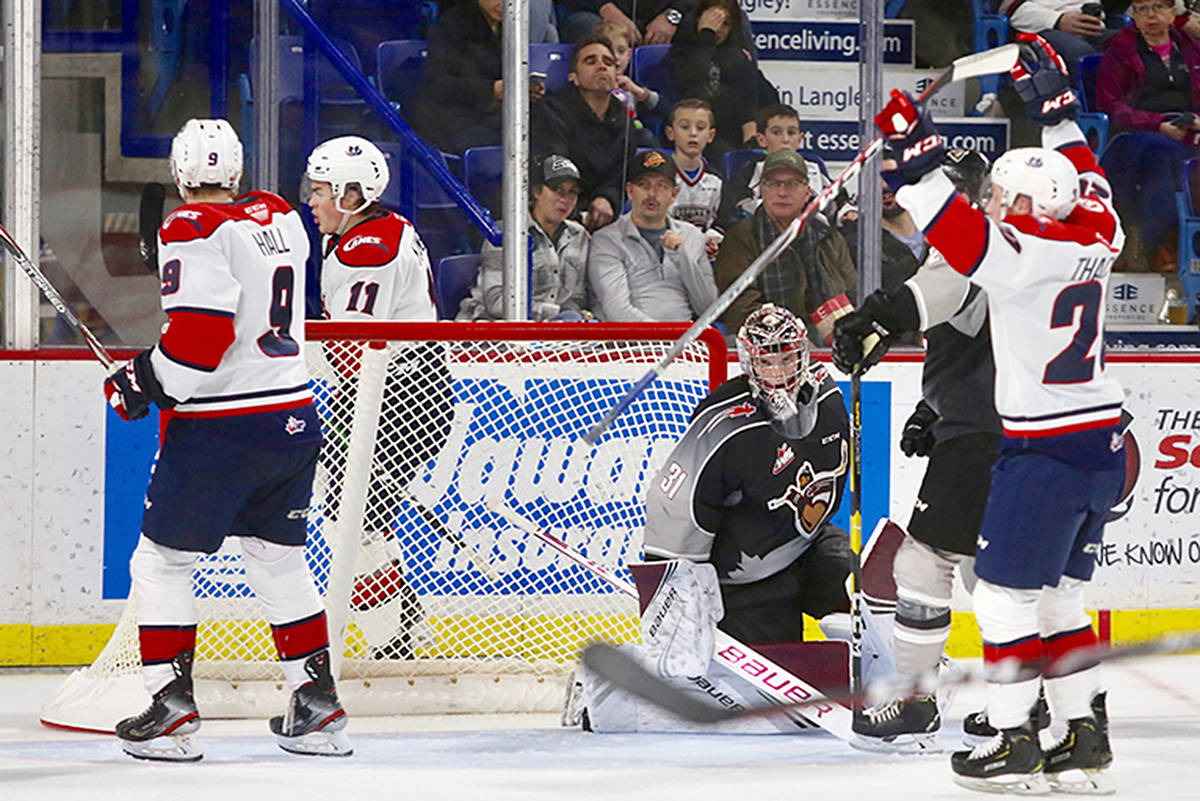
[[1093, 268], [270, 242]]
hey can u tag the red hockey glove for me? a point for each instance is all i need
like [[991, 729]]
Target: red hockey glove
[[912, 135], [131, 389], [1040, 77]]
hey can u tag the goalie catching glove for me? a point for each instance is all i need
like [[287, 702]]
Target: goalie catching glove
[[1040, 77], [910, 132], [133, 387], [681, 605]]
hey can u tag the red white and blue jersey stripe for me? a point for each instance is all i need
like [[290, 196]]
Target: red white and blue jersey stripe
[[233, 291], [1046, 283]]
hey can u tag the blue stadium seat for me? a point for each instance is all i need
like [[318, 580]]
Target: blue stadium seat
[[454, 276], [483, 175], [399, 67], [367, 23], [332, 88], [551, 59], [429, 193], [1189, 238], [648, 68], [1093, 121], [991, 30]]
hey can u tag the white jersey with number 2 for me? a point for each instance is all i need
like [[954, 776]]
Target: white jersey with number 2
[[1046, 282]]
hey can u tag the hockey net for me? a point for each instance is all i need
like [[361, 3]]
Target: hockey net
[[444, 605]]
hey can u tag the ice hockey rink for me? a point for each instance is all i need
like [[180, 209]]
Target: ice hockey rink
[[1154, 706]]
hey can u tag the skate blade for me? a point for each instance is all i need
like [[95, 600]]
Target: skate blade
[[926, 743], [317, 743], [1035, 784], [175, 748], [1083, 781]]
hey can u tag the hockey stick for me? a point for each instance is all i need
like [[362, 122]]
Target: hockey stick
[[56, 300], [989, 62], [453, 537], [782, 688], [611, 663], [150, 217], [856, 593]]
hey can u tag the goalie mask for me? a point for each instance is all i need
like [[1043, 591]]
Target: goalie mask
[[1046, 177], [206, 153], [774, 352], [344, 162]]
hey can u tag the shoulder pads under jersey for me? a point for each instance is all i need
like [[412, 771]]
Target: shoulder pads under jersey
[[373, 243], [198, 220]]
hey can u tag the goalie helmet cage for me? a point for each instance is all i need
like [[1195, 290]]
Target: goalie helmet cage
[[445, 607]]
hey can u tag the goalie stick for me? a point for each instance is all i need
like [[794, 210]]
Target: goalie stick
[[989, 62], [56, 300], [788, 693], [609, 662]]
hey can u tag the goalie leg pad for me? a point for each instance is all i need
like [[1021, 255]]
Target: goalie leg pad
[[680, 607], [878, 661]]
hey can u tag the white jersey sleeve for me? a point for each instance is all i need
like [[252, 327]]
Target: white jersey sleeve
[[378, 270]]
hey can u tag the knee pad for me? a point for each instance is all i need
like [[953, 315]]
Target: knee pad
[[1061, 608], [922, 576], [1005, 614], [162, 584], [280, 578]]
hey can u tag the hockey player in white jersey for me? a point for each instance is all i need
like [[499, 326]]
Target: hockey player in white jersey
[[1043, 250], [374, 266], [239, 452]]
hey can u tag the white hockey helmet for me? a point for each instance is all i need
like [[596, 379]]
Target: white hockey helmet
[[208, 152], [349, 160], [775, 355], [1046, 177]]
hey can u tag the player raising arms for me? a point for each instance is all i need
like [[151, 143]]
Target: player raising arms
[[240, 450], [374, 266], [1043, 251]]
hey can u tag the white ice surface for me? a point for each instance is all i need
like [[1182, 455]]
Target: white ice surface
[[1154, 707]]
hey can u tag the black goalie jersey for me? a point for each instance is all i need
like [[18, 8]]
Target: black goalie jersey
[[736, 493]]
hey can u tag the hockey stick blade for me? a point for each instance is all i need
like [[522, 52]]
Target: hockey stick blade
[[56, 300], [607, 661], [998, 59]]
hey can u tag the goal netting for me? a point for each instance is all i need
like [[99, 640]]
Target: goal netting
[[445, 606]]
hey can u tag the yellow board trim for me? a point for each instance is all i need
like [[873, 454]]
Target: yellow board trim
[[25, 645]]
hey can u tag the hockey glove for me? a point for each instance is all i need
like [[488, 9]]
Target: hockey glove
[[912, 135], [132, 388], [861, 338], [1040, 77], [917, 437]]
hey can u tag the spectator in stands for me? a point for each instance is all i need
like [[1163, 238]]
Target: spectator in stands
[[463, 78], [647, 266], [647, 99], [1147, 84], [710, 59], [778, 129], [812, 276], [648, 21], [691, 129], [904, 245], [558, 263], [583, 122], [1075, 28]]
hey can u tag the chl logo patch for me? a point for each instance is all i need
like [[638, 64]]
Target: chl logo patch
[[294, 426], [783, 457], [811, 495]]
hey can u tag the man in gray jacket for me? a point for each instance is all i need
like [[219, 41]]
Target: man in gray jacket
[[646, 266], [558, 263]]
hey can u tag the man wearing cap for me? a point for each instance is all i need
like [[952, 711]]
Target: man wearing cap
[[558, 270], [813, 275], [647, 266]]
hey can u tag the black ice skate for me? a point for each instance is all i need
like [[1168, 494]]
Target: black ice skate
[[1010, 762], [314, 721], [161, 732], [899, 727], [977, 729], [1078, 762]]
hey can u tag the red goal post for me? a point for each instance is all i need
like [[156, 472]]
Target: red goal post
[[444, 605]]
